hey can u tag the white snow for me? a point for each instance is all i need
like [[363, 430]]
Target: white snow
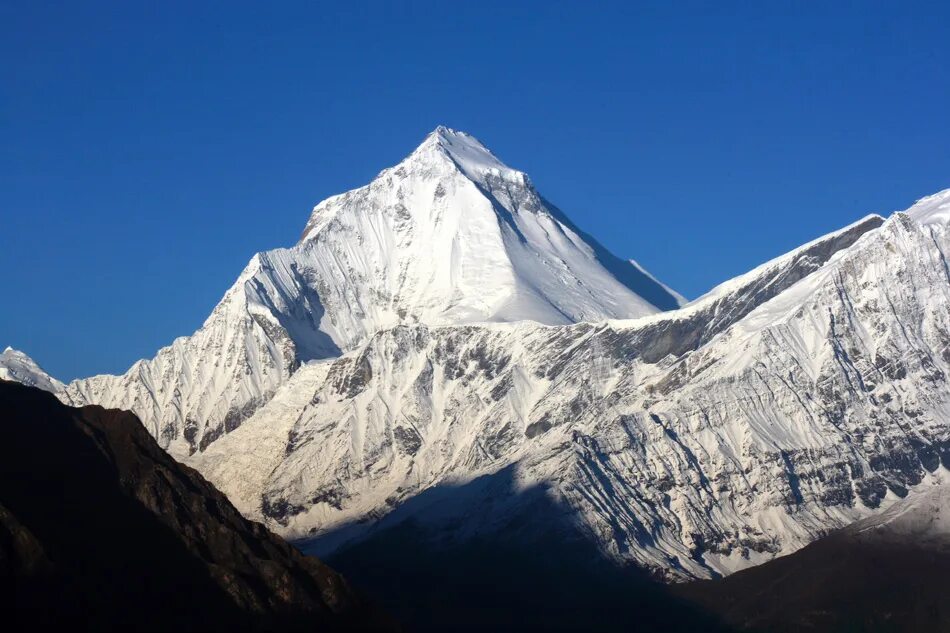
[[444, 323], [731, 285], [621, 444], [448, 236], [18, 367], [933, 209], [453, 235]]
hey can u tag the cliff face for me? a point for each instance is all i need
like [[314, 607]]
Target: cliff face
[[101, 529]]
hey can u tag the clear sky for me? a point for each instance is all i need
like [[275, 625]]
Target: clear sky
[[148, 150]]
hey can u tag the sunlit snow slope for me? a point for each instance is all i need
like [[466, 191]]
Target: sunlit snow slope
[[18, 367], [445, 324], [787, 402], [450, 235]]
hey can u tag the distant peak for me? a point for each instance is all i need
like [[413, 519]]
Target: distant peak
[[17, 366]]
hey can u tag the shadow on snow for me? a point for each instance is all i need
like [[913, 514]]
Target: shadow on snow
[[447, 560]]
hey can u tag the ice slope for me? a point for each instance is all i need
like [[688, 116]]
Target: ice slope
[[790, 401], [450, 235], [932, 210], [18, 367]]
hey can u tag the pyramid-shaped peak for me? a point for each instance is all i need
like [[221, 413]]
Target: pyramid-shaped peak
[[447, 137], [420, 242], [463, 149]]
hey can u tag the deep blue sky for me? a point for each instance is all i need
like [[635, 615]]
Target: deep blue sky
[[147, 150]]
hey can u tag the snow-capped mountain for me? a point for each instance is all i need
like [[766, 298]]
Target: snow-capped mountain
[[450, 235], [18, 367], [445, 325], [787, 402]]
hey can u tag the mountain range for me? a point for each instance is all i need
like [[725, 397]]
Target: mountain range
[[443, 351]]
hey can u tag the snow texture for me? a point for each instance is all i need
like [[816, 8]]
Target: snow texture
[[18, 367], [450, 235], [446, 323], [788, 402]]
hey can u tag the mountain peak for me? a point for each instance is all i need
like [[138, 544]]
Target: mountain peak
[[451, 234], [446, 137], [19, 367], [464, 150]]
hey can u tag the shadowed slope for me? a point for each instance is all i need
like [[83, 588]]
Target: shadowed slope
[[101, 529], [887, 573], [439, 570]]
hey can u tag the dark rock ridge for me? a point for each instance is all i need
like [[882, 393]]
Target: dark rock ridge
[[101, 529]]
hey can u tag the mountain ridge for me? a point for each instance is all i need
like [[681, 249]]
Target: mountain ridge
[[801, 396], [449, 235], [693, 443]]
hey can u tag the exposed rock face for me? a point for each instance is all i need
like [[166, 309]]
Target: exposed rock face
[[789, 402], [885, 573], [100, 529], [449, 235]]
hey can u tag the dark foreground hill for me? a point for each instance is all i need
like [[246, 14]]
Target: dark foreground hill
[[101, 529], [889, 573]]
